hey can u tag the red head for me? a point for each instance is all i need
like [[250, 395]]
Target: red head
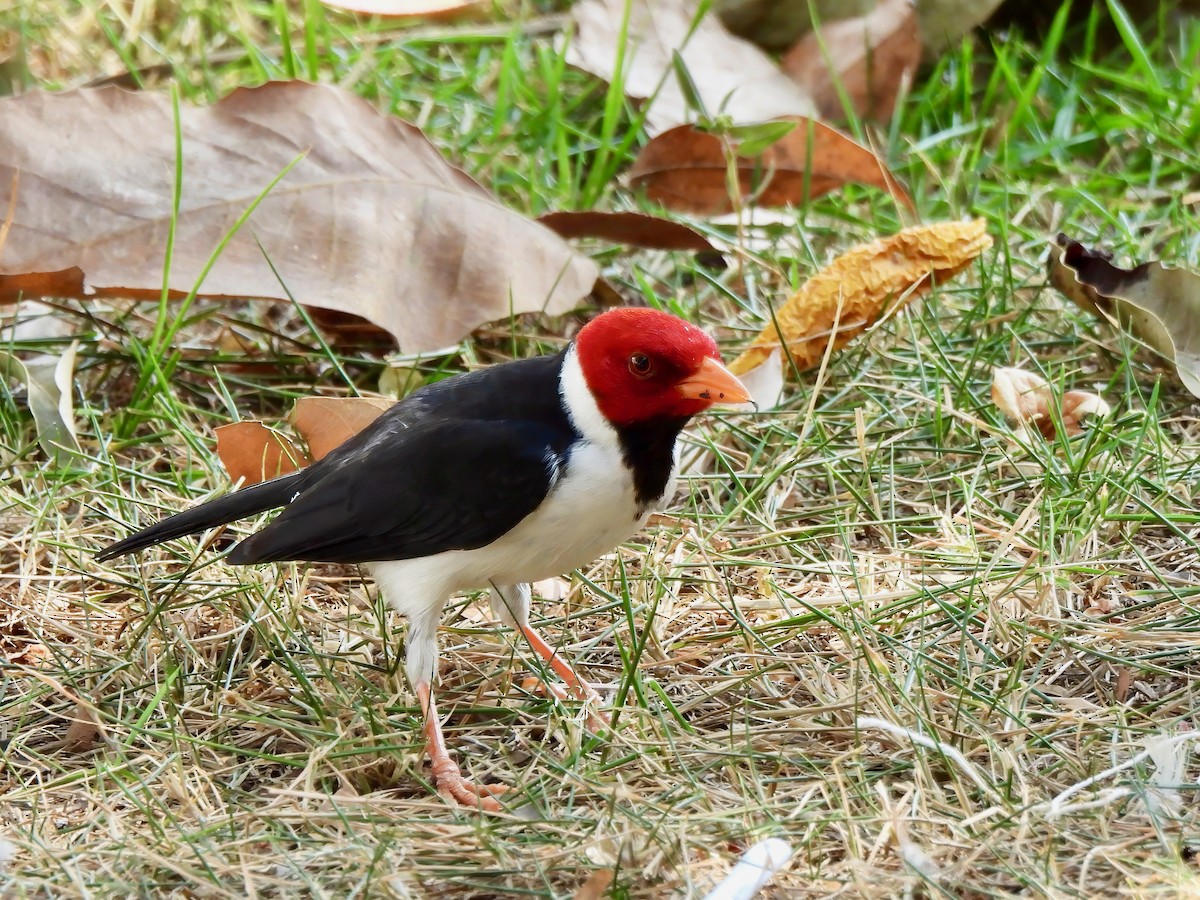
[[643, 364]]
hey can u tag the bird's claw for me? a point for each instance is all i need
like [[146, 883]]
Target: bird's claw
[[452, 785]]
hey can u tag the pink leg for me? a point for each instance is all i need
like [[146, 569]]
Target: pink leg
[[580, 689], [446, 774]]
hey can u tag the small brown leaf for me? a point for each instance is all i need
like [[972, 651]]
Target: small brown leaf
[[31, 653], [251, 452], [732, 77], [1157, 304], [1026, 398], [635, 229], [687, 170], [872, 57], [327, 422], [596, 886], [1022, 396], [370, 220], [1079, 406], [84, 731], [843, 299]]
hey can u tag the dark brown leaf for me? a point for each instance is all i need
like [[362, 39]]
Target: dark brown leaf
[[777, 24], [371, 221], [635, 229], [349, 333], [944, 22], [687, 170], [84, 731]]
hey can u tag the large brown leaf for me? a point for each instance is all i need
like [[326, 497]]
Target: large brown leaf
[[869, 57], [687, 169], [372, 221], [732, 77]]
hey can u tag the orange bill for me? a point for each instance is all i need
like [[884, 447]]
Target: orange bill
[[714, 383]]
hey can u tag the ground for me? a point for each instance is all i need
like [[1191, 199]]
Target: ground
[[939, 660]]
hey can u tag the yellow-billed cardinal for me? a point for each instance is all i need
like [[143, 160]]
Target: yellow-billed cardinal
[[500, 477]]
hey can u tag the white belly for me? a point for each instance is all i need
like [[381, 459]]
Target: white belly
[[589, 511]]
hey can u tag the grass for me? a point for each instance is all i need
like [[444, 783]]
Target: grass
[[928, 655]]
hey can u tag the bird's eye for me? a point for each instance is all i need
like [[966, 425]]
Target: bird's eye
[[640, 365]]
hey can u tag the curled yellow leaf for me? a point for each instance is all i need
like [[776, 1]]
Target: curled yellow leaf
[[842, 300]]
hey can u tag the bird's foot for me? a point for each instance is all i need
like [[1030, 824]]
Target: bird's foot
[[452, 785], [446, 774], [598, 720]]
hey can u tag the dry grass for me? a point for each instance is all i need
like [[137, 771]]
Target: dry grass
[[939, 662], [911, 659]]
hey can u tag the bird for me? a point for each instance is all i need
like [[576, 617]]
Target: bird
[[493, 478]]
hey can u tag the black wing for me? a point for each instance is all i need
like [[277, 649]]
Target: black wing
[[450, 485]]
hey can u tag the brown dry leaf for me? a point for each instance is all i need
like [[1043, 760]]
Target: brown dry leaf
[[327, 422], [1026, 398], [687, 170], [1157, 304], [1079, 406], [33, 654], [596, 886], [395, 9], [84, 731], [873, 56], [732, 77], [251, 452], [1022, 396], [861, 285], [371, 221], [635, 229]]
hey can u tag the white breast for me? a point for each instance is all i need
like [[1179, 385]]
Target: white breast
[[591, 508]]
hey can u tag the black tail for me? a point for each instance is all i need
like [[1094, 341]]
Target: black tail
[[246, 502]]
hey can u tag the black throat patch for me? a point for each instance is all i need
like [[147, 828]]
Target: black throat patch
[[649, 451]]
